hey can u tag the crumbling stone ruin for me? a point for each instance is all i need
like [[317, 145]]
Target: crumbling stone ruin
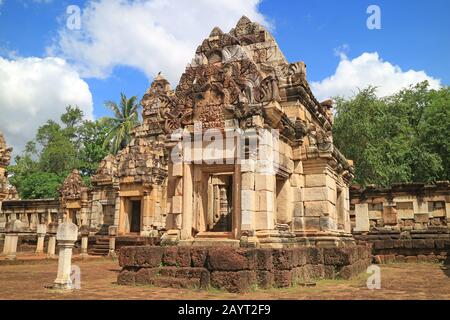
[[74, 199], [5, 157], [404, 222]]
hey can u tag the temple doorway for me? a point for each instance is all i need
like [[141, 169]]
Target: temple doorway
[[220, 203], [73, 216], [135, 216]]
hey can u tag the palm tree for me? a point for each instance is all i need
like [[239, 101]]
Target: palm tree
[[124, 120]]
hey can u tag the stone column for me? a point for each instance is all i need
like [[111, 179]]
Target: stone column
[[248, 203], [112, 232], [362, 217], [41, 231], [51, 246], [67, 235], [187, 215], [84, 233], [12, 230]]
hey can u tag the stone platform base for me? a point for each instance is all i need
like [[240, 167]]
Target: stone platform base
[[238, 269], [417, 246]]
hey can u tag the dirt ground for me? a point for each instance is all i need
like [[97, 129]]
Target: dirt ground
[[98, 281]]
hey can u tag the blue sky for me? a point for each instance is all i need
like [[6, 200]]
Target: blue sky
[[330, 36]]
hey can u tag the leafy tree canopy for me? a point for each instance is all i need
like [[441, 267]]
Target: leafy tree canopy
[[57, 149], [400, 138], [126, 117]]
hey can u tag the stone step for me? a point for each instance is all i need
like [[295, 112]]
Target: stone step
[[98, 253], [214, 235], [101, 246]]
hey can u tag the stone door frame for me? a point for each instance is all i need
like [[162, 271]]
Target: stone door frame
[[197, 216]]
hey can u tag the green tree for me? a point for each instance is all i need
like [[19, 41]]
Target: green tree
[[56, 150], [40, 185], [434, 129], [391, 139], [92, 136], [125, 119]]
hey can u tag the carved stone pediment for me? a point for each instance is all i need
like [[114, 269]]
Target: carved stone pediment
[[73, 187], [5, 152], [12, 193], [156, 103], [217, 91], [106, 170], [142, 161]]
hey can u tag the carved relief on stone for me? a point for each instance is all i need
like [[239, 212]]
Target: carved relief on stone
[[295, 72], [12, 193], [325, 141], [156, 103], [3, 185], [72, 187], [248, 32], [312, 135], [106, 169], [205, 92], [142, 161], [328, 105], [5, 152]]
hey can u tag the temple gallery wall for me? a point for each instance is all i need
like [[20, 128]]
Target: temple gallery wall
[[239, 154]]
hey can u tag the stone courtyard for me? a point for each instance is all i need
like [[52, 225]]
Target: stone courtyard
[[430, 281]]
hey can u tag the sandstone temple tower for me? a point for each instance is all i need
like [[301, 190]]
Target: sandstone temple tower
[[239, 153], [5, 157]]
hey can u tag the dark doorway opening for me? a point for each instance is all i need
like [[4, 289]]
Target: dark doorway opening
[[73, 216], [135, 224], [222, 204]]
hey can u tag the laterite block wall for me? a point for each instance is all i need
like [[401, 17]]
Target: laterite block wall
[[238, 269]]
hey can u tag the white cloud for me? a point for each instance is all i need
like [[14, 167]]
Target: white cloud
[[150, 35], [368, 69], [33, 90]]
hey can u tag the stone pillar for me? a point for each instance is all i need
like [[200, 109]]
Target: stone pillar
[[117, 205], [41, 231], [112, 232], [447, 210], [51, 246], [12, 230], [84, 233], [248, 198], [362, 217], [187, 215], [67, 236], [265, 182], [320, 195]]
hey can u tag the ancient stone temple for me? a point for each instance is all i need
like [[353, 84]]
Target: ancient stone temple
[[408, 220], [239, 153], [74, 199], [5, 157]]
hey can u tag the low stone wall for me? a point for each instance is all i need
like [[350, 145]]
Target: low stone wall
[[415, 246], [238, 269], [27, 244]]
